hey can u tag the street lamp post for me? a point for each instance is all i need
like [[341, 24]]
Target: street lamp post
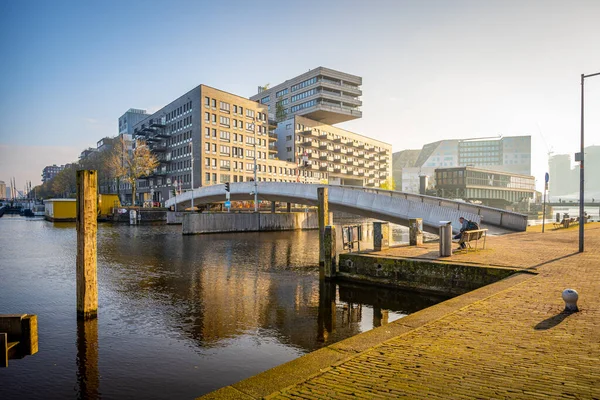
[[581, 170]]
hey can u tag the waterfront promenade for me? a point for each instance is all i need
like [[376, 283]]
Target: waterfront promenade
[[506, 340]]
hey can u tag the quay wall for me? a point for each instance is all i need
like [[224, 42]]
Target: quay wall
[[248, 222], [447, 278]]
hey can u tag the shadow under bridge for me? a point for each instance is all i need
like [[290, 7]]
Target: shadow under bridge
[[385, 205]]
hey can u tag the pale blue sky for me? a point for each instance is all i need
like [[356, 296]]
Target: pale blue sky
[[431, 69]]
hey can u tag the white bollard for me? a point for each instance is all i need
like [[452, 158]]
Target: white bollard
[[570, 296]]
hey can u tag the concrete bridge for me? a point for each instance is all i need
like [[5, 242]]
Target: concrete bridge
[[385, 205]]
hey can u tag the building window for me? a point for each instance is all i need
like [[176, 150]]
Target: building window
[[302, 106], [213, 103], [207, 101], [207, 177], [265, 99], [224, 106], [281, 93], [207, 132], [224, 121], [302, 95], [250, 113], [207, 116], [214, 118], [304, 84], [224, 135]]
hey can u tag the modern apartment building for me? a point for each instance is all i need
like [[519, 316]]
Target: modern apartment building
[[505, 154], [333, 155], [206, 137], [50, 172], [321, 94]]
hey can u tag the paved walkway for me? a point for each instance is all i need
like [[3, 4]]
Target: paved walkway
[[506, 340]]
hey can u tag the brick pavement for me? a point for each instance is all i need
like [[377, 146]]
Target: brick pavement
[[506, 340]]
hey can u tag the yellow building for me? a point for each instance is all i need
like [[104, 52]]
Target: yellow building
[[59, 210]]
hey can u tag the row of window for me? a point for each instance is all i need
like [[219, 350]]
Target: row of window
[[304, 84], [302, 106], [304, 95], [187, 121], [180, 165], [179, 111], [265, 99]]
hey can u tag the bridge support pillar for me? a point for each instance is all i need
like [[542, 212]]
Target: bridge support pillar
[[415, 231], [289, 207], [329, 268], [323, 197], [87, 227], [381, 235], [273, 207]]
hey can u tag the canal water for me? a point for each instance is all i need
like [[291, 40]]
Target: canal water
[[179, 316]]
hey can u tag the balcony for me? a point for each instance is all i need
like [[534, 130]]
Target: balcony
[[382, 151], [307, 132], [158, 148], [323, 146], [158, 122], [382, 167], [337, 168], [272, 136], [361, 161], [337, 150], [323, 135], [342, 161], [164, 158]]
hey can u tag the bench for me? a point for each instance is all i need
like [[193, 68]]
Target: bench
[[473, 235]]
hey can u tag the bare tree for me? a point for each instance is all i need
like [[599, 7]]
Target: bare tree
[[132, 165]]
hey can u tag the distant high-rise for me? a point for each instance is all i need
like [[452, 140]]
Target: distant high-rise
[[3, 189], [321, 94], [50, 172], [129, 119], [564, 180]]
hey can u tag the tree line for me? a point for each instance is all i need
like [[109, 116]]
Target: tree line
[[121, 163]]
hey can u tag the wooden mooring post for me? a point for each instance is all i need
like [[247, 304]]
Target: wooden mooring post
[[323, 197], [87, 227]]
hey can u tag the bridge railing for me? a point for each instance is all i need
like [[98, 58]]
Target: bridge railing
[[489, 215], [297, 192]]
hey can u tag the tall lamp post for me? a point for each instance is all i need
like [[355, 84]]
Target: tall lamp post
[[581, 171]]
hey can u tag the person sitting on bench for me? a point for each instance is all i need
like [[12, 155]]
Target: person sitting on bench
[[464, 224]]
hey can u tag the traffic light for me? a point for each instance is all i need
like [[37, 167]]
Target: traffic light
[[227, 187]]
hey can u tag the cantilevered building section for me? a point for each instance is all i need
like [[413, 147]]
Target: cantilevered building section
[[321, 94], [332, 155], [208, 136]]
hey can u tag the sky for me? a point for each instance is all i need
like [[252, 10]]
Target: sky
[[431, 70]]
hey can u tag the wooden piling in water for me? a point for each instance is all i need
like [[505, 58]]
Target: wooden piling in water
[[87, 227], [323, 197]]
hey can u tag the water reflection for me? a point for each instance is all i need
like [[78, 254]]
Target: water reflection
[[88, 377], [214, 309]]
